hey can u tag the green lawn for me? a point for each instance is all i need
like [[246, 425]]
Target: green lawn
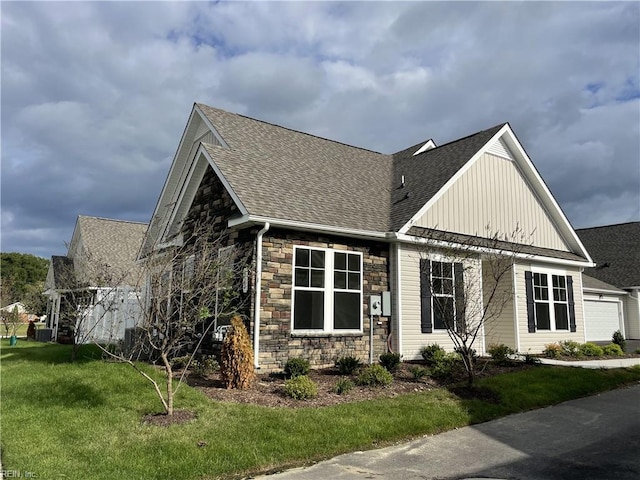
[[83, 420]]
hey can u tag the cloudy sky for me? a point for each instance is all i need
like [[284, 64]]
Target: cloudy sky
[[95, 96]]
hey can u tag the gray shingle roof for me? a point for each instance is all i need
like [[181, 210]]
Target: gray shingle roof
[[595, 284], [281, 173], [472, 240], [114, 243], [616, 251]]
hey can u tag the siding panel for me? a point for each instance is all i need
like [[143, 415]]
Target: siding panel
[[494, 193]]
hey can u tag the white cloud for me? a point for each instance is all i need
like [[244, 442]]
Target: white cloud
[[95, 95]]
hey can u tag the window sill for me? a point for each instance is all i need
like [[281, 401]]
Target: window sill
[[327, 334]]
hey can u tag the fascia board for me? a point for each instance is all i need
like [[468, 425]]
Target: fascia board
[[602, 290], [543, 192], [450, 182], [480, 250], [153, 226], [210, 125], [309, 227], [223, 179]]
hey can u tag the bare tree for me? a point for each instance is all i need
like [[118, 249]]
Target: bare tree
[[190, 290], [11, 320], [469, 289]]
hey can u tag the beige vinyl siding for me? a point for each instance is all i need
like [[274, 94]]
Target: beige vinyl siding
[[535, 342], [500, 314], [632, 315], [493, 192], [412, 337]]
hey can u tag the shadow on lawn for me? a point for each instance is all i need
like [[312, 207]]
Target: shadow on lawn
[[48, 353]]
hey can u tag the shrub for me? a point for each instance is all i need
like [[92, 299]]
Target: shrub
[[300, 387], [344, 385], [347, 365], [613, 349], [618, 339], [432, 353], [591, 350], [500, 353], [530, 359], [296, 367], [390, 361], [374, 375], [203, 366], [180, 362], [236, 357], [418, 372], [448, 367], [552, 350], [570, 348], [637, 352]]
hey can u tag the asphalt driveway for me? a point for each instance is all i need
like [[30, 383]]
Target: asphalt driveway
[[591, 438]]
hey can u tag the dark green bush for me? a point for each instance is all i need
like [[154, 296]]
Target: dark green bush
[[618, 339], [296, 367], [500, 354], [300, 388], [418, 372], [613, 349], [530, 359], [180, 362], [432, 353], [552, 350], [448, 367], [570, 348], [591, 350], [390, 361], [374, 375], [342, 386], [347, 365]]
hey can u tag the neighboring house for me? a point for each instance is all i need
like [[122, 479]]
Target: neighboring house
[[93, 290], [329, 225], [22, 311], [616, 251]]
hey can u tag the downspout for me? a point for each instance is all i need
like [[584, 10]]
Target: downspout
[[258, 292]]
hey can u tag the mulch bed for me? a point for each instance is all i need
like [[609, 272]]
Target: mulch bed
[[268, 389]]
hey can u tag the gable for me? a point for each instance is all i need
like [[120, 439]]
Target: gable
[[492, 196]]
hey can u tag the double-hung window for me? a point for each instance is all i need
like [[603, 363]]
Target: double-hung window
[[550, 304], [441, 296], [327, 290]]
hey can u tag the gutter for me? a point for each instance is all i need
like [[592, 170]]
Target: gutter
[[258, 292]]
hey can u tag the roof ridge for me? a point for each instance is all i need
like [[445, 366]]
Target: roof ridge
[[293, 130], [113, 219], [497, 126], [609, 226]]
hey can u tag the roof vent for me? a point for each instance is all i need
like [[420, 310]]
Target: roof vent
[[402, 184], [427, 146]]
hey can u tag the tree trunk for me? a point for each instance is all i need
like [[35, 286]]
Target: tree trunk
[[169, 372]]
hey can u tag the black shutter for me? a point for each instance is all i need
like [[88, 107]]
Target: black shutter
[[426, 324], [572, 305], [458, 278], [531, 312]]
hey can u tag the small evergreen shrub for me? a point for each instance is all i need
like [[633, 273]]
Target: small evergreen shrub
[[570, 348], [432, 353], [530, 359], [500, 353], [618, 339], [342, 386], [296, 367], [180, 362], [637, 352], [236, 357], [613, 349], [373, 376], [418, 372], [448, 367], [300, 387], [552, 350], [347, 365], [390, 361], [591, 350], [204, 366]]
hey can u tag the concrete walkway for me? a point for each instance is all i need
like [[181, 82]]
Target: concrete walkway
[[595, 437], [612, 363]]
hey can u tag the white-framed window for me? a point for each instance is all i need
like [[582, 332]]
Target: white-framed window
[[327, 290], [443, 295], [551, 301]]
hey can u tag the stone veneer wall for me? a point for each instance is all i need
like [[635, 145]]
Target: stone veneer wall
[[277, 342]]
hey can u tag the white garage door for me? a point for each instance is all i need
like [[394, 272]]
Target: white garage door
[[602, 319]]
